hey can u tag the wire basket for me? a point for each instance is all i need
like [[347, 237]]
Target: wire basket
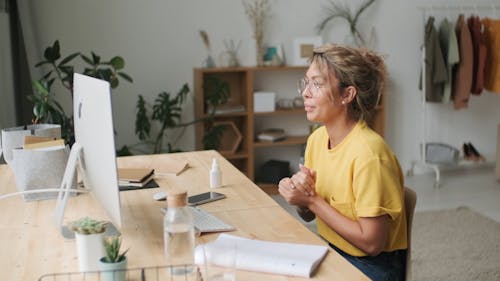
[[186, 272]]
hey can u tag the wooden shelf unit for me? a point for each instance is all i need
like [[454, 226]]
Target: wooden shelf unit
[[242, 82]]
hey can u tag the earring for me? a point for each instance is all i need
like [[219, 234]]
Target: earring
[[343, 102]]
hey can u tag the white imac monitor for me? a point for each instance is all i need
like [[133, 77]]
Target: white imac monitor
[[93, 151]]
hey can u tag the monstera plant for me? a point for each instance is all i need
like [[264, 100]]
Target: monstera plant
[[154, 121]]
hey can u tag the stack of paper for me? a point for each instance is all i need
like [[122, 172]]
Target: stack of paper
[[263, 256]]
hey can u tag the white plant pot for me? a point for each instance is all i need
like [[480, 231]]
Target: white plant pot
[[90, 248], [113, 271]]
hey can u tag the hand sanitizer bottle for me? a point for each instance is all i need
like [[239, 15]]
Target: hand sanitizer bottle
[[215, 174]]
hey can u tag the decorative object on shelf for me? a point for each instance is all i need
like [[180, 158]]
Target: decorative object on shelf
[[264, 101], [229, 58], [303, 49], [209, 61], [89, 235], [336, 10], [271, 134], [298, 102], [231, 137], [48, 110], [114, 264], [285, 103], [257, 13], [274, 55]]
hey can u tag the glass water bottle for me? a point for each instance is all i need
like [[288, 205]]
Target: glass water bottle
[[178, 234]]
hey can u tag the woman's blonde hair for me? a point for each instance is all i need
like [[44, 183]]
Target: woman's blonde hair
[[358, 67]]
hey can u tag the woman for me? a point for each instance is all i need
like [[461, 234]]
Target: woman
[[351, 181]]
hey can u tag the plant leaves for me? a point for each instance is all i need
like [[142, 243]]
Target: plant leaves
[[126, 77], [95, 59], [68, 58], [142, 124], [117, 63], [86, 59]]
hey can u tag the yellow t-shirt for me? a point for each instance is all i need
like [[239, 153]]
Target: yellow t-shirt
[[360, 177]]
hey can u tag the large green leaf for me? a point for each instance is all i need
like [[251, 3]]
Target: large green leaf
[[68, 58], [117, 63], [126, 77]]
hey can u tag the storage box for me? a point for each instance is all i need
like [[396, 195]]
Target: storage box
[[273, 171], [264, 101]]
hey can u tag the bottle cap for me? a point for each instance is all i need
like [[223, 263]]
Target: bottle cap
[[177, 198]]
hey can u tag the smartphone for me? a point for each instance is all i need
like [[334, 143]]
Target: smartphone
[[205, 197]]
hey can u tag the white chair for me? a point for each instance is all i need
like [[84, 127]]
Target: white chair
[[410, 202]]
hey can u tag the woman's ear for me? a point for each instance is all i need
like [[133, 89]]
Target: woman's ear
[[349, 95]]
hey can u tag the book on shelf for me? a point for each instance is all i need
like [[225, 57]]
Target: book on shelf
[[273, 134], [225, 109]]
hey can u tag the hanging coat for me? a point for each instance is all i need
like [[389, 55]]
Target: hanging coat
[[492, 43], [435, 69], [463, 75], [479, 51], [449, 46]]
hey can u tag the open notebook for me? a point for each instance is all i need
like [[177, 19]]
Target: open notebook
[[264, 256]]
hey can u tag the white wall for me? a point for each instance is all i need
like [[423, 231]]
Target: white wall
[[159, 40]]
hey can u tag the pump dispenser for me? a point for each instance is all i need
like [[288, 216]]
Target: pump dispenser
[[215, 174]]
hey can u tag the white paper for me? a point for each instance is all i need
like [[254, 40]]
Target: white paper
[[264, 256]]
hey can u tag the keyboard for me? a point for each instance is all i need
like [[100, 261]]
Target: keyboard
[[205, 222]]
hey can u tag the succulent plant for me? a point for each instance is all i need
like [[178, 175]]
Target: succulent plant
[[87, 226], [112, 246]]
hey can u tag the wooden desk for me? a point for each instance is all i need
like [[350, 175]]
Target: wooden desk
[[32, 246]]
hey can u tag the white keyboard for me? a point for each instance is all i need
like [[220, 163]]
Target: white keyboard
[[205, 222]]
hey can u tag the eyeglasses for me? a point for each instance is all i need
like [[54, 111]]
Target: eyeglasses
[[304, 83]]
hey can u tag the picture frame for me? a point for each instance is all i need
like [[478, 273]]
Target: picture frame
[[303, 48]]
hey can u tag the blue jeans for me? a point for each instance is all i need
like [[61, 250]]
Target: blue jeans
[[386, 266]]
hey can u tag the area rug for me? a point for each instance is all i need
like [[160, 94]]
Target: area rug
[[456, 244]]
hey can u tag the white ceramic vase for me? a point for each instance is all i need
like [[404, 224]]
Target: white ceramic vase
[[115, 271], [90, 248]]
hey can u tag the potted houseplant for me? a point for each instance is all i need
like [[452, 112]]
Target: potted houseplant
[[46, 108], [89, 234], [114, 263]]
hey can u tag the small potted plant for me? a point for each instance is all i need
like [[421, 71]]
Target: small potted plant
[[114, 263], [89, 235]]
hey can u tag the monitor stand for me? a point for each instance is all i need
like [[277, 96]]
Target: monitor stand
[[75, 157]]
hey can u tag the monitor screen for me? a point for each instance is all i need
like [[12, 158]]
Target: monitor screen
[[94, 147]]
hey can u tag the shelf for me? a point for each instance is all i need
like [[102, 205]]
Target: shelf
[[281, 112], [242, 83], [292, 140]]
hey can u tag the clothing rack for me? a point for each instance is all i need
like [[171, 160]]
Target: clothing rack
[[429, 10]]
